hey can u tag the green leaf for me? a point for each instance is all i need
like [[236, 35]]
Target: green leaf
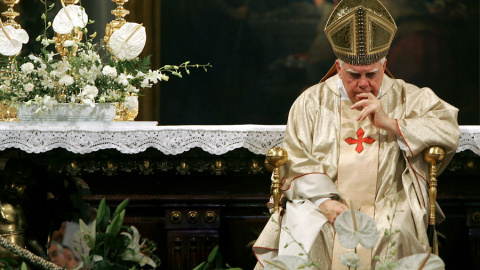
[[116, 224], [101, 211], [106, 217], [199, 266], [121, 206], [24, 266], [219, 261], [212, 255]]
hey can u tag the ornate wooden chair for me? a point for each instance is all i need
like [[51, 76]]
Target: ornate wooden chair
[[277, 156]]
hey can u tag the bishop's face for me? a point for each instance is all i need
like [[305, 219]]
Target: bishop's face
[[361, 79]]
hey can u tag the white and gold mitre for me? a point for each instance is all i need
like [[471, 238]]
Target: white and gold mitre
[[360, 31]]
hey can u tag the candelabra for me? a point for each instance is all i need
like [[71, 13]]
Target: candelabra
[[10, 14], [120, 12]]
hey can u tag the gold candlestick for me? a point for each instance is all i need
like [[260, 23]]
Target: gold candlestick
[[120, 12], [10, 14]]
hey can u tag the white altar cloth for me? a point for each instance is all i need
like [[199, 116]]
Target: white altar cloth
[[136, 137]]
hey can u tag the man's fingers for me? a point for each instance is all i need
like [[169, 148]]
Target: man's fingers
[[369, 110]]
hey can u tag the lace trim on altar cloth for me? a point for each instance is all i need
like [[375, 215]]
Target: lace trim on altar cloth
[[170, 140], [216, 140], [469, 139]]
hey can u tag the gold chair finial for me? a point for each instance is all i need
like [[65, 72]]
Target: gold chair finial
[[276, 157]]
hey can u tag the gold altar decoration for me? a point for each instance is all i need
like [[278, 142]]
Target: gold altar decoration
[[9, 113], [120, 12], [123, 113], [10, 14], [433, 155], [61, 38], [276, 157]]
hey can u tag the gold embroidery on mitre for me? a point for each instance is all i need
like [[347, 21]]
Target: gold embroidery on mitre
[[360, 32]]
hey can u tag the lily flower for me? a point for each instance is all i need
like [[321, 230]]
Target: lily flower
[[132, 251], [88, 233]]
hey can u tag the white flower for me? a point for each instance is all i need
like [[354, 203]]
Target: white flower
[[131, 103], [123, 79], [287, 262], [47, 82], [69, 43], [69, 17], [45, 42], [413, 262], [88, 233], [87, 101], [66, 80], [365, 232], [50, 56], [89, 91], [109, 71], [27, 68], [133, 89], [29, 87], [60, 68], [350, 259], [132, 251], [11, 40], [154, 76], [145, 84], [128, 42], [34, 58], [89, 75]]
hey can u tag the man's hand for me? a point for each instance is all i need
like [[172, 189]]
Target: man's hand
[[332, 209], [372, 108]]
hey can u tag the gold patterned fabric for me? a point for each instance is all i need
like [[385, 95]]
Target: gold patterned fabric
[[311, 173], [360, 31]]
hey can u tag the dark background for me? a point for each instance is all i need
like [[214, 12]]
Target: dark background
[[264, 53], [261, 52]]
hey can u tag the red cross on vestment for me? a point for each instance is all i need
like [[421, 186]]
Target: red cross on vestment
[[360, 140]]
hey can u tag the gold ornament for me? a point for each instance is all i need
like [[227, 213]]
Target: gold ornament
[[360, 32], [123, 113], [120, 12], [61, 38], [10, 14]]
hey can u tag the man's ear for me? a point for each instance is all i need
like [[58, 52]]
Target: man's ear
[[337, 65]]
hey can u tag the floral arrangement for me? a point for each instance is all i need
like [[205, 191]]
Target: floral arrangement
[[111, 245], [82, 71]]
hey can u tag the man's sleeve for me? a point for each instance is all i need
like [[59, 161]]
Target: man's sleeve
[[304, 174], [429, 121]]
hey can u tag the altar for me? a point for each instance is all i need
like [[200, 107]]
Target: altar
[[194, 187]]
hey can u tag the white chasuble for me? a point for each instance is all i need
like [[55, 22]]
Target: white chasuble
[[357, 173]]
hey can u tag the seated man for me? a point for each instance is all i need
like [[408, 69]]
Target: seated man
[[358, 137]]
